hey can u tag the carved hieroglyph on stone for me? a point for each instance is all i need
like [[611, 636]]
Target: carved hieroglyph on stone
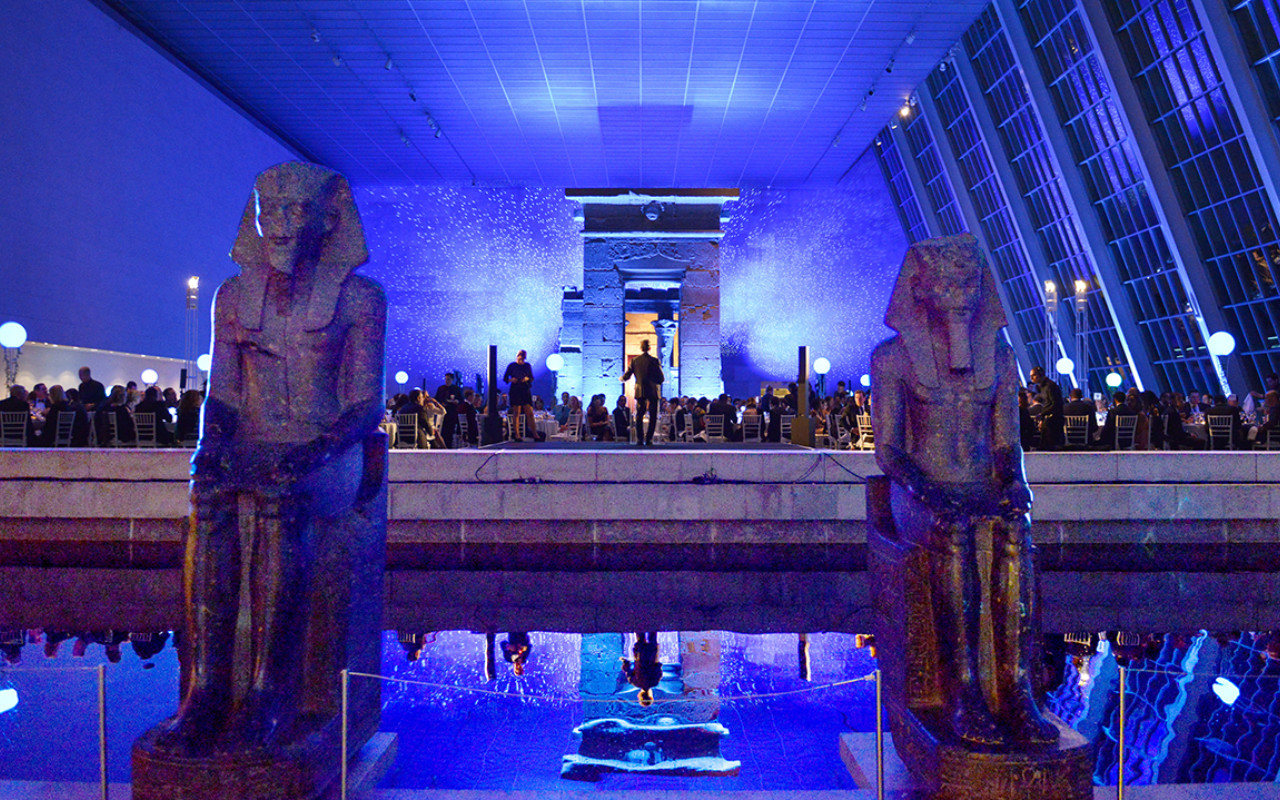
[[286, 545], [952, 565]]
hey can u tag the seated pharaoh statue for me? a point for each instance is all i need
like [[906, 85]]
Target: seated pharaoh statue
[[287, 530], [951, 555]]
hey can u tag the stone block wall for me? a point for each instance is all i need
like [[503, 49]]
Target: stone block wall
[[603, 323], [700, 321]]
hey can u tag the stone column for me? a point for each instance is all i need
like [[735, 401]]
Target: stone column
[[664, 330]]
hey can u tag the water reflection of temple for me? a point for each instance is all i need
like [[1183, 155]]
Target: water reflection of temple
[[679, 734]]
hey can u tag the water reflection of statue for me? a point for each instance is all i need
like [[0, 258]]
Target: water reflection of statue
[[947, 436], [294, 394]]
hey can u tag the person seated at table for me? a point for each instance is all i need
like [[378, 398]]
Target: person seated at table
[[187, 426], [1176, 436], [723, 407], [599, 420], [152, 404], [1271, 417], [15, 403], [414, 407], [1153, 412], [1028, 428], [79, 429], [622, 419], [1077, 406], [115, 406], [59, 403], [1107, 436], [1223, 408]]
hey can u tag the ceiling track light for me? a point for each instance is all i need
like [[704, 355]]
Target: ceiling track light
[[911, 37], [413, 95], [337, 61], [388, 65], [889, 67], [315, 35]]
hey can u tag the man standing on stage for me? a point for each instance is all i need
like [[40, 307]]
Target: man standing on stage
[[649, 378]]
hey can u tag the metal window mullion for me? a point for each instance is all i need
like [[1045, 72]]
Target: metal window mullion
[[924, 200]]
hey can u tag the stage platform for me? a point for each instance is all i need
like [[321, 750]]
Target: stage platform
[[631, 447]]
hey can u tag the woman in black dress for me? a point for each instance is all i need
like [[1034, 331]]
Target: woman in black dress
[[519, 375]]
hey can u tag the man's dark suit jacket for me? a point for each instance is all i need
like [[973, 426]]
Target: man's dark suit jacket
[[1083, 408], [648, 375]]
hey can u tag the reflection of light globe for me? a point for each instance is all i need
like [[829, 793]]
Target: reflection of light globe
[[12, 334], [150, 376], [1222, 344], [865, 380], [1226, 691], [204, 362], [1065, 366], [1114, 379], [402, 377], [8, 699], [555, 362], [821, 366]]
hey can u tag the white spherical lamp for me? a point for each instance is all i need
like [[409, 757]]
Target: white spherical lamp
[[555, 362], [1222, 344], [1114, 380], [402, 377], [204, 362], [865, 380], [12, 335], [150, 376], [821, 366], [1065, 366]]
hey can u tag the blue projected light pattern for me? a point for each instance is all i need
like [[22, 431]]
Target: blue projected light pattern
[[466, 267]]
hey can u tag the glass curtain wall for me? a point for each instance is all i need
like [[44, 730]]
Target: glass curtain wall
[[1202, 144], [1039, 184], [1009, 259], [1119, 193], [904, 198], [929, 163], [1259, 23]]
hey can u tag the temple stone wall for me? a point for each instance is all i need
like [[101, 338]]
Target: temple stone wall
[[603, 323], [700, 321]]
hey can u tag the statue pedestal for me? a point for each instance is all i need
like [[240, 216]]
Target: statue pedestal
[[948, 767]]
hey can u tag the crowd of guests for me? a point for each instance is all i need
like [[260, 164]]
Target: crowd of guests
[[1144, 420], [90, 408]]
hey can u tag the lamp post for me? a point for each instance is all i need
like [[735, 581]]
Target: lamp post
[[1082, 351], [192, 333], [1051, 315], [12, 337], [822, 366]]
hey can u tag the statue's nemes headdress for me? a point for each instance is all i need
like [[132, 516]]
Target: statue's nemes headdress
[[342, 250], [904, 315]]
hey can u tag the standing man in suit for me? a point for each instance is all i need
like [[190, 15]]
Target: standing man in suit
[[648, 375]]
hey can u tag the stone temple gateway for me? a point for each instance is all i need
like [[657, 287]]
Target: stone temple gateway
[[651, 269]]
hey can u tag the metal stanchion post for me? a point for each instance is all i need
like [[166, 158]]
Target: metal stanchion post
[[1120, 764], [879, 739], [346, 681], [102, 727]]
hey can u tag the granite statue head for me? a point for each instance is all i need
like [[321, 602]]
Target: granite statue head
[[300, 220], [944, 299]]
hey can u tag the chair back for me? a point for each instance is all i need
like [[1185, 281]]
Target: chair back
[[751, 428], [787, 419], [66, 422], [144, 425], [713, 426], [13, 428], [574, 434], [1126, 428], [1076, 431], [113, 429], [406, 431], [464, 431], [1221, 431], [866, 437]]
